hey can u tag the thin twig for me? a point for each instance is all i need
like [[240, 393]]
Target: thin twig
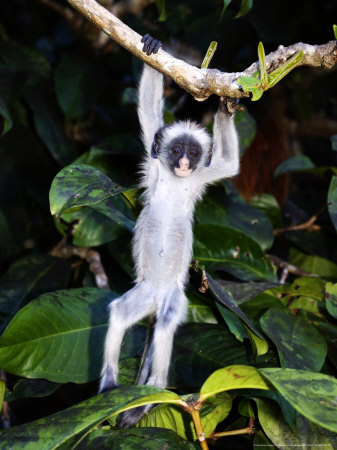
[[288, 268], [309, 225], [65, 251]]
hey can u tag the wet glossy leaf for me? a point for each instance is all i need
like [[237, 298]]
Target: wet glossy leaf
[[201, 348], [223, 296], [312, 394], [60, 336], [79, 185], [300, 346], [233, 377], [230, 250], [73, 422], [296, 163], [231, 210], [141, 438]]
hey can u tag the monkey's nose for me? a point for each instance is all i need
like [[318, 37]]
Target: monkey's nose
[[184, 163]]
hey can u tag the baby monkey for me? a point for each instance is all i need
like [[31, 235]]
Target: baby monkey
[[181, 159]]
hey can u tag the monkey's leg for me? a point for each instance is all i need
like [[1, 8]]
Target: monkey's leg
[[170, 315], [124, 312]]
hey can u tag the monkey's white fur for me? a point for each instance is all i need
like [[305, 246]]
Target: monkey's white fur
[[162, 245]]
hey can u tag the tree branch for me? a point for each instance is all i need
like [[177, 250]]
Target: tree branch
[[201, 83]]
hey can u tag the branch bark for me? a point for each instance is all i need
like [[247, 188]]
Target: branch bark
[[201, 83]]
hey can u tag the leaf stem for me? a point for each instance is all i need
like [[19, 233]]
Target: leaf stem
[[198, 428], [247, 430]]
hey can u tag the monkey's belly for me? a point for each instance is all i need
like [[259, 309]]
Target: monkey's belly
[[164, 256]]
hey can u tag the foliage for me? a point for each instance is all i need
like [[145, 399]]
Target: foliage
[[252, 349]]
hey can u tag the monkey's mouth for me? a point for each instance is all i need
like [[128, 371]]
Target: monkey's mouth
[[182, 172]]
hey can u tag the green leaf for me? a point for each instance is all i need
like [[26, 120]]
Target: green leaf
[[299, 345], [227, 249], [199, 308], [231, 210], [233, 377], [259, 345], [312, 394], [49, 126], [75, 90], [140, 438], [335, 31], [31, 388], [274, 425], [331, 299], [246, 6], [246, 128], [313, 264], [233, 322], [79, 185], [226, 3], [161, 7], [60, 336], [283, 70], [294, 164], [76, 421], [7, 119], [253, 85], [332, 200], [225, 297], [209, 55], [262, 64], [29, 277], [201, 348]]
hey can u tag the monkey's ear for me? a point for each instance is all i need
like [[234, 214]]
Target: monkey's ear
[[209, 156], [154, 149]]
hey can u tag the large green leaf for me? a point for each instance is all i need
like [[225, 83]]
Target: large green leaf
[[29, 277], [231, 210], [60, 336], [312, 394], [79, 185], [199, 308], [201, 348], [225, 297], [74, 422], [233, 377], [49, 126], [75, 90], [227, 249], [31, 388], [313, 264], [300, 346], [140, 438]]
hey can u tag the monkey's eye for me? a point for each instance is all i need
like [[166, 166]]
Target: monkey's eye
[[193, 153], [176, 150]]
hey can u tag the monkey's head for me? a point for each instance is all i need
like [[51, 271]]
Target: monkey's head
[[182, 147]]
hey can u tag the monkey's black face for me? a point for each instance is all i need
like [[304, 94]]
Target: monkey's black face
[[183, 155]]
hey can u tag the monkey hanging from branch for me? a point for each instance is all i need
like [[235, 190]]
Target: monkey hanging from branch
[[181, 159]]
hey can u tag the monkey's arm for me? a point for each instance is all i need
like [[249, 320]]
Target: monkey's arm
[[150, 104], [225, 152]]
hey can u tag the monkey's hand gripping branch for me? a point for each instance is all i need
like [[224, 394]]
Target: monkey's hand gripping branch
[[201, 83]]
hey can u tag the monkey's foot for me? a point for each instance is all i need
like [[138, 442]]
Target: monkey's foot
[[131, 417], [151, 45], [108, 382]]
